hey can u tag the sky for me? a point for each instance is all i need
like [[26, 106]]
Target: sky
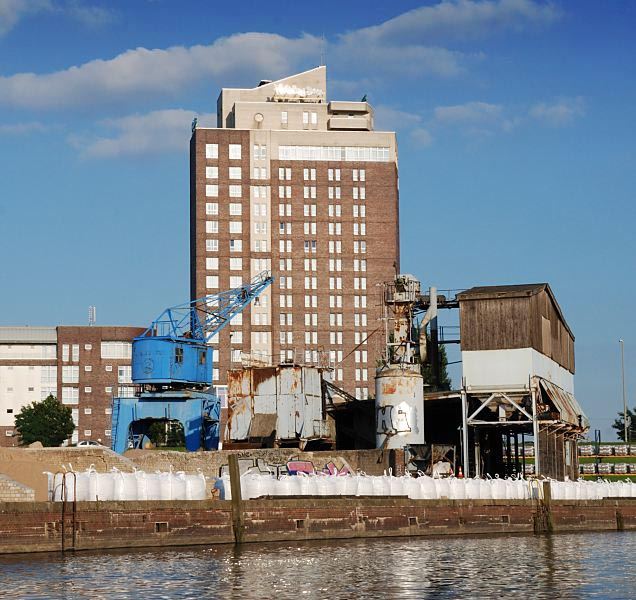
[[515, 122]]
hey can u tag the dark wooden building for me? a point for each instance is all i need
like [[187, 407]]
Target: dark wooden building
[[516, 316], [518, 367]]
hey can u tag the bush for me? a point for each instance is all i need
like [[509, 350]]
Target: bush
[[48, 422]]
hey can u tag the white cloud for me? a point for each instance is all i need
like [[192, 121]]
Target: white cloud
[[421, 136], [455, 19], [406, 60], [141, 71], [484, 119], [22, 128], [477, 119], [561, 112], [388, 118], [142, 134], [13, 11], [411, 44], [470, 112], [91, 16]]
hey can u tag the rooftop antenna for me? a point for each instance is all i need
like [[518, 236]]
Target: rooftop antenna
[[92, 315]]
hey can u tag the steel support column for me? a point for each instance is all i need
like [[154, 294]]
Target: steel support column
[[465, 433], [535, 430]]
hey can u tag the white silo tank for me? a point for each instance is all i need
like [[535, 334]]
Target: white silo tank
[[399, 404]]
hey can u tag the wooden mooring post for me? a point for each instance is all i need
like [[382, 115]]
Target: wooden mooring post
[[543, 516], [238, 523]]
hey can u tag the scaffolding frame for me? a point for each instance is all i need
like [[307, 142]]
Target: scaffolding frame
[[508, 404]]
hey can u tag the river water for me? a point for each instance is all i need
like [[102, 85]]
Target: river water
[[599, 565]]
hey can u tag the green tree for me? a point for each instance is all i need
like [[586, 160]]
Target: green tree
[[157, 433], [427, 372], [619, 425], [48, 422], [167, 433]]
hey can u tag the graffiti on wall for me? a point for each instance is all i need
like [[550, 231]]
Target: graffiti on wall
[[250, 464]]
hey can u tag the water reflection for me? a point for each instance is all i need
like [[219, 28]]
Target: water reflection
[[565, 566]]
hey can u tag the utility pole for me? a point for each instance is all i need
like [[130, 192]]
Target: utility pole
[[625, 424]]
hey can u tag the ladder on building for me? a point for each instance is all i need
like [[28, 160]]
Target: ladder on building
[[68, 521], [114, 424]]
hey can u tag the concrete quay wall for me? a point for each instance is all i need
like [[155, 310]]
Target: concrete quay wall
[[39, 526]]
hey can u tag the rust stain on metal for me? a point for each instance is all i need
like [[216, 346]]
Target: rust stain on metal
[[262, 375]]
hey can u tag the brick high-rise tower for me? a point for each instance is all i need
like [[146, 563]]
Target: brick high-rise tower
[[305, 188]]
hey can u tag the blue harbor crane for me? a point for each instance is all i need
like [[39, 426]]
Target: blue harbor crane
[[172, 370]]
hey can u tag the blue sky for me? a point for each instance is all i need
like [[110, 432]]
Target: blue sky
[[515, 123]]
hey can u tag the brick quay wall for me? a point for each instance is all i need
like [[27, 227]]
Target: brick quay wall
[[40, 527], [27, 465]]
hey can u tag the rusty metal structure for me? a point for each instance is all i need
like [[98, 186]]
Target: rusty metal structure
[[399, 386], [517, 381], [282, 406], [517, 385]]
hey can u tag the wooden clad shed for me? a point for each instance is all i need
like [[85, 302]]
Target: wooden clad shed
[[516, 316]]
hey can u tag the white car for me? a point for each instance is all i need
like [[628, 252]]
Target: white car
[[88, 443]]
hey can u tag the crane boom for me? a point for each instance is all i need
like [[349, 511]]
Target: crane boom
[[174, 352], [201, 319]]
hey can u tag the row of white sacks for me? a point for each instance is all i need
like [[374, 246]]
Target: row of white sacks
[[256, 485], [90, 486]]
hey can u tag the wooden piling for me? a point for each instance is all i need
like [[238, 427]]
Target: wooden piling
[[238, 524]]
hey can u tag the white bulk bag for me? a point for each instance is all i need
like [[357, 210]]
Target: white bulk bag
[[140, 483], [324, 486], [153, 486], [268, 485], [498, 487], [179, 486], [284, 486], [396, 486], [350, 485], [365, 485], [295, 485], [165, 486], [442, 488], [105, 487], [523, 489], [428, 487], [485, 489], [340, 485], [129, 486], [473, 488], [381, 486], [457, 489], [67, 480], [412, 488]]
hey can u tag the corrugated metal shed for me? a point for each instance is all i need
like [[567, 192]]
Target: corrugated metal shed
[[569, 409], [28, 335], [286, 399]]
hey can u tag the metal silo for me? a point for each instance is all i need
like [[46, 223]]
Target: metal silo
[[399, 389]]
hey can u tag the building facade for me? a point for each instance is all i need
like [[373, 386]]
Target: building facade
[[82, 366], [305, 188]]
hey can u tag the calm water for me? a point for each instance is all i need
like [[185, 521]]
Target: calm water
[[565, 566]]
